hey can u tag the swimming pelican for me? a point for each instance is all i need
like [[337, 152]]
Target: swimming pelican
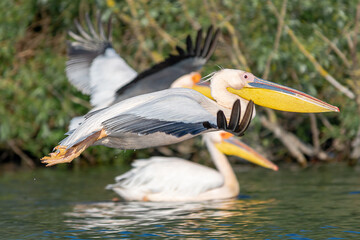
[[174, 115], [175, 179], [95, 68]]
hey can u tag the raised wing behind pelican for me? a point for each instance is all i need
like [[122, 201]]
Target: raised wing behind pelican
[[161, 75], [93, 66], [96, 69]]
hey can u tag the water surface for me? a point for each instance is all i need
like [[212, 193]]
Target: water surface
[[315, 203]]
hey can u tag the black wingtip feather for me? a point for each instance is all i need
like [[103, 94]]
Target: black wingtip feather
[[221, 120], [198, 43], [100, 26], [245, 122], [234, 126], [180, 50], [235, 115], [207, 125], [81, 30], [208, 39], [91, 27], [91, 42], [189, 45], [213, 44], [201, 51]]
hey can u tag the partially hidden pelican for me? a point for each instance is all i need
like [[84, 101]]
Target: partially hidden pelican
[[174, 115], [96, 69], [175, 179]]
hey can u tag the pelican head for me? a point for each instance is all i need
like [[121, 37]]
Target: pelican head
[[187, 81], [228, 144], [227, 85]]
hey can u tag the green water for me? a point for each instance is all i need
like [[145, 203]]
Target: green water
[[317, 203]]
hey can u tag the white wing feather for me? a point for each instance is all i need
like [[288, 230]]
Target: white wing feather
[[177, 105], [108, 72]]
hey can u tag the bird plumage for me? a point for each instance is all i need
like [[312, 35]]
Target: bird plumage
[[168, 178], [161, 75], [176, 179], [174, 115], [148, 120], [96, 69]]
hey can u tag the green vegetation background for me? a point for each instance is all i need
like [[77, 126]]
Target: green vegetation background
[[37, 101]]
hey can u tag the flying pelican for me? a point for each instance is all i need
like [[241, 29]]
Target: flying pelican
[[95, 68], [121, 72], [176, 179], [174, 115], [148, 173]]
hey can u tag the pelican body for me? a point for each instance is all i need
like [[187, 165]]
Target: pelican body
[[174, 115], [176, 179]]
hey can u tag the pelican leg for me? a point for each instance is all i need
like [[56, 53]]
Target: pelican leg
[[63, 154], [60, 155]]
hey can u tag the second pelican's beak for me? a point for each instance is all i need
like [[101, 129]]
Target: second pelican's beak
[[203, 88], [231, 146], [276, 96]]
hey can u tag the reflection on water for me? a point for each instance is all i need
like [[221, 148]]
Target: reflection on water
[[138, 216], [322, 203]]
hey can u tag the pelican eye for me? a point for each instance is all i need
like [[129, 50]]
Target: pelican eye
[[248, 77]]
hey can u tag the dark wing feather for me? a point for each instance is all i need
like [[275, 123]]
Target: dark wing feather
[[208, 41], [189, 45], [180, 50], [140, 125], [221, 120], [245, 122], [235, 127], [235, 115], [198, 43], [213, 43], [101, 29], [164, 73], [187, 116]]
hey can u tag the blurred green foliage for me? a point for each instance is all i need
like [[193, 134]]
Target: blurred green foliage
[[38, 101]]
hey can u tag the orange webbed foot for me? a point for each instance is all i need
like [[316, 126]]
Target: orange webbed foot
[[64, 154], [60, 155]]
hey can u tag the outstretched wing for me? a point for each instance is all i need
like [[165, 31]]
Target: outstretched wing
[[163, 74], [158, 119], [185, 116], [150, 120], [93, 66], [169, 177]]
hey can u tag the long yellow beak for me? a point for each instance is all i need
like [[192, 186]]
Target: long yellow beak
[[232, 146], [276, 96], [203, 88]]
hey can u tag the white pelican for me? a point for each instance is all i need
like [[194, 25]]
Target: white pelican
[[174, 115], [96, 69], [176, 179]]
